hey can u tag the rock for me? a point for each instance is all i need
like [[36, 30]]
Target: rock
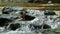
[[3, 21], [36, 27], [27, 17], [49, 13], [45, 26], [14, 26], [6, 10]]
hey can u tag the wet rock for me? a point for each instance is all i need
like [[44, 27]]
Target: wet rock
[[35, 27], [45, 26], [3, 21], [6, 10], [27, 17], [14, 26], [49, 13]]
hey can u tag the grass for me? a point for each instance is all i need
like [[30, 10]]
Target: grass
[[23, 4]]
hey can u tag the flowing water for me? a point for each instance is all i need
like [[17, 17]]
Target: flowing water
[[24, 29]]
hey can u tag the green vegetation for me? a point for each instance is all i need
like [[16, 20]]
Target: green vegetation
[[19, 4], [51, 31], [25, 4]]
